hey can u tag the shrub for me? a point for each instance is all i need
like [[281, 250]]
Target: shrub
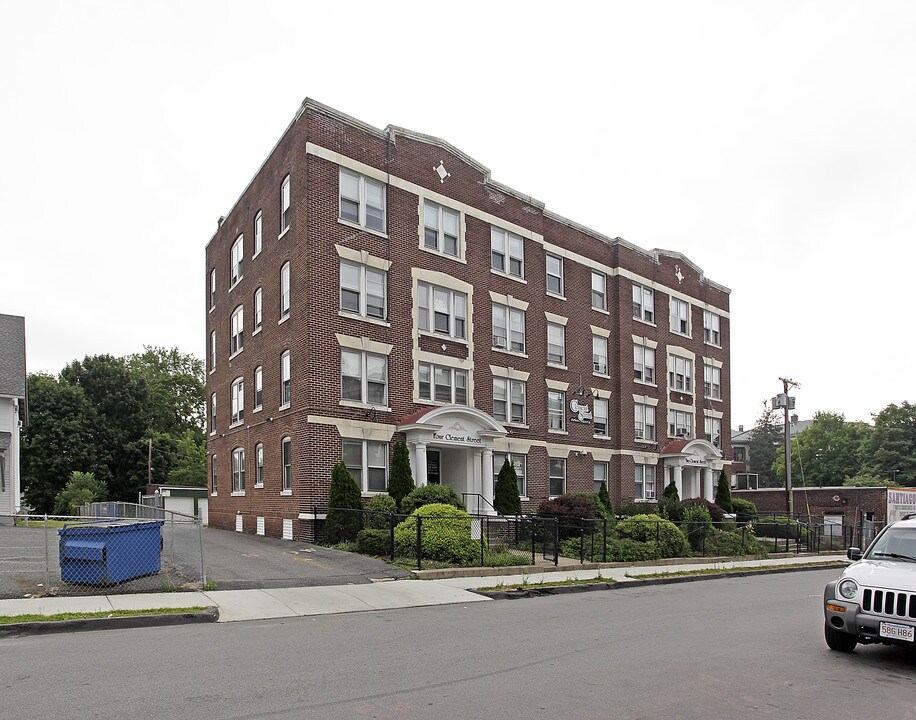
[[629, 507], [670, 491], [624, 550], [716, 513], [429, 494], [601, 510], [374, 542], [506, 499], [780, 527], [445, 535], [81, 488], [671, 508], [697, 524], [724, 492], [378, 510], [645, 528], [745, 510], [570, 512], [400, 481], [605, 499], [344, 500], [741, 542]]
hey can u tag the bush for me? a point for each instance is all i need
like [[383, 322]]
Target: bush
[[780, 527], [374, 542], [81, 488], [671, 508], [506, 499], [428, 495], [741, 542], [601, 510], [670, 491], [624, 550], [745, 510], [697, 524], [378, 510], [605, 499], [400, 481], [716, 513], [645, 528], [345, 498], [629, 507], [570, 512], [724, 492], [445, 535]]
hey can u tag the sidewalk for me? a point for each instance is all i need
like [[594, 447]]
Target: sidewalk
[[236, 605]]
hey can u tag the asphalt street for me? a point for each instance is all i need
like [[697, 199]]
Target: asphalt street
[[736, 647]]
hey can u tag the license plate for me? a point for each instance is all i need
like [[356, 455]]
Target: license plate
[[896, 632]]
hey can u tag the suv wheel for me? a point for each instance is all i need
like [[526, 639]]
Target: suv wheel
[[838, 640]]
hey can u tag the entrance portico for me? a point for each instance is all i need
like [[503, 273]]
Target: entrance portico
[[693, 465], [453, 445]]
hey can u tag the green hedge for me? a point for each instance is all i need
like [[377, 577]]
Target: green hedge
[[374, 542], [780, 527], [722, 543], [645, 528], [618, 550], [428, 495], [445, 535], [378, 510]]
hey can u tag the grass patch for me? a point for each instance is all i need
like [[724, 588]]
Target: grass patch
[[10, 619], [725, 571], [550, 583]]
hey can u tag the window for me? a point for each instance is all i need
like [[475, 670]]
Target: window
[[711, 328], [680, 317], [557, 476], [643, 303], [285, 382], [599, 291], [212, 413], [212, 289], [556, 416], [508, 328], [237, 330], [284, 291], [213, 486], [258, 315], [442, 311], [599, 354], [238, 470], [712, 382], [600, 475], [236, 261], [644, 478], [680, 423], [740, 454], [555, 275], [443, 384], [713, 430], [509, 400], [362, 201], [368, 463], [258, 388], [644, 364], [556, 344], [680, 373], [600, 415], [644, 416], [258, 234], [238, 401], [507, 252], [213, 351], [284, 205], [364, 377], [518, 462], [363, 290], [259, 465], [440, 229], [286, 457]]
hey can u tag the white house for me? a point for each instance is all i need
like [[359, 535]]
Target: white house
[[13, 412]]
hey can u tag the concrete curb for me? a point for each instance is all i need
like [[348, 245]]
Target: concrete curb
[[209, 615], [542, 590]]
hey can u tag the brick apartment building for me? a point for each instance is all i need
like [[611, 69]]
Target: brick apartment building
[[374, 285]]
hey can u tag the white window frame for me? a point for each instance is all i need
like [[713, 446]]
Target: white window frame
[[600, 411], [509, 319], [362, 359], [557, 276], [556, 345], [643, 364], [644, 483], [284, 205], [601, 477], [712, 430], [285, 380], [712, 382], [505, 390], [361, 199], [213, 351], [258, 389], [680, 423], [433, 373], [679, 315], [599, 355], [284, 291], [556, 410], [258, 314], [644, 422], [517, 460], [213, 478], [507, 253], [237, 331], [237, 261], [712, 334], [238, 471], [259, 465], [437, 214], [599, 293], [213, 288], [213, 413], [556, 470], [644, 304], [258, 234], [680, 374], [429, 307], [286, 465], [237, 402], [360, 289], [363, 470]]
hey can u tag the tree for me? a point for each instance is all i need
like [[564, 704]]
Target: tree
[[177, 387], [867, 481], [605, 498], [892, 448], [764, 445], [506, 499], [400, 481], [724, 492], [190, 466], [826, 452], [81, 488], [344, 506]]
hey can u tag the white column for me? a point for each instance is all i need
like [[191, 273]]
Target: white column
[[486, 470], [709, 493], [679, 481], [474, 481], [412, 453], [421, 464]]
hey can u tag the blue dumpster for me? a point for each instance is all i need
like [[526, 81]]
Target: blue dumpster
[[109, 552]]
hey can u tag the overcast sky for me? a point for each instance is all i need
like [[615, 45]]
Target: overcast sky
[[772, 143]]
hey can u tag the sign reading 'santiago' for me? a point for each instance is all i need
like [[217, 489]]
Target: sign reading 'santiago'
[[581, 413]]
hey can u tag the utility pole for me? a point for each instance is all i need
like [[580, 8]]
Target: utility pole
[[787, 403], [149, 463]]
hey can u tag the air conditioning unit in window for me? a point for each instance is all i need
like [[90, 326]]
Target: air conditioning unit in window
[[682, 433], [499, 341]]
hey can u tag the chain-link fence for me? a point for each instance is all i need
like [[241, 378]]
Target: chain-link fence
[[123, 551]]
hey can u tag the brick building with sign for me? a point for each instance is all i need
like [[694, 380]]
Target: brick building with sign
[[375, 285]]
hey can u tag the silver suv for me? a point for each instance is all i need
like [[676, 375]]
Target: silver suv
[[874, 600]]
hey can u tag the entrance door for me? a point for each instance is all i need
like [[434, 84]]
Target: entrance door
[[432, 467]]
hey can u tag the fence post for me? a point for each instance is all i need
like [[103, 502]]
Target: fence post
[[556, 542], [419, 542], [581, 541], [391, 533], [743, 533], [200, 538], [47, 558], [604, 541], [533, 542], [483, 536]]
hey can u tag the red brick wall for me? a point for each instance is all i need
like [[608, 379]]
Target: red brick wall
[[846, 501]]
